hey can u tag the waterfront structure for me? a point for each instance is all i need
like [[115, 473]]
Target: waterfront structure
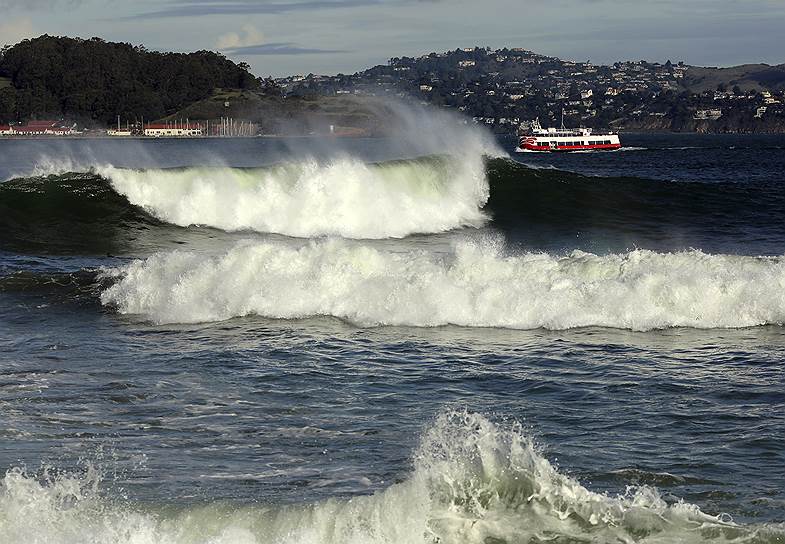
[[43, 128], [157, 130]]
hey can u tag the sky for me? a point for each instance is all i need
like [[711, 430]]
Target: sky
[[287, 37]]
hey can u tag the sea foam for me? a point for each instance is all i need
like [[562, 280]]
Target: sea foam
[[473, 481], [344, 196], [474, 284]]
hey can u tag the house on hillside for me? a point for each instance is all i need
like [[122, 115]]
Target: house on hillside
[[711, 115]]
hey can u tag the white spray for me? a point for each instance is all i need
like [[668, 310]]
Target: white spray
[[473, 481], [474, 285]]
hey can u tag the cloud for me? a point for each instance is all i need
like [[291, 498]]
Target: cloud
[[248, 36], [15, 31], [249, 41], [33, 5], [198, 8], [279, 48]]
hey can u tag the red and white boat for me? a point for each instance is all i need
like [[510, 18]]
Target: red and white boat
[[536, 138]]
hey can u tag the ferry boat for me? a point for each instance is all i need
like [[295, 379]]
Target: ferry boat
[[537, 138]]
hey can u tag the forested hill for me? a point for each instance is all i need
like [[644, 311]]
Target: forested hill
[[95, 79]]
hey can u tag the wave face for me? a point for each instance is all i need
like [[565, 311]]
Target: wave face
[[72, 211], [345, 197], [473, 482], [475, 285]]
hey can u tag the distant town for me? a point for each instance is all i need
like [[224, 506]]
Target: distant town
[[501, 89]]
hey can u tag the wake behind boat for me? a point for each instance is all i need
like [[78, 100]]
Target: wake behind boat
[[536, 138]]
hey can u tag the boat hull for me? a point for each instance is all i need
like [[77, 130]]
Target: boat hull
[[567, 149], [566, 141]]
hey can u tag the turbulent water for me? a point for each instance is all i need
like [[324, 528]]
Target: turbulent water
[[412, 340]]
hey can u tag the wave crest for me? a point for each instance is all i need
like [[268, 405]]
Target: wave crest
[[345, 197], [474, 285], [474, 481]]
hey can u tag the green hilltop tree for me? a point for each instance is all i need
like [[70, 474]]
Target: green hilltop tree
[[72, 77]]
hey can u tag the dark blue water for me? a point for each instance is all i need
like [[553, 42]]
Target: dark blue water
[[569, 348]]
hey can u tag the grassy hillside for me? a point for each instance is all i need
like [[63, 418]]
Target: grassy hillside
[[746, 76], [292, 115]]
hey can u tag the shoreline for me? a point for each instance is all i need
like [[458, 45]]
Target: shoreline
[[327, 136], [128, 138]]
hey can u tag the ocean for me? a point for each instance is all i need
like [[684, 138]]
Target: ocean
[[420, 339]]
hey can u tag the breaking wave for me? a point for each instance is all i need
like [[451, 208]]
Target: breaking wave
[[345, 197], [475, 284], [105, 209], [473, 481]]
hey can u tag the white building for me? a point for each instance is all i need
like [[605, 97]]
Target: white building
[[178, 130]]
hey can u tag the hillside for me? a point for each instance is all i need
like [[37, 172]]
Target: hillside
[[94, 81], [504, 87], [97, 80], [747, 77], [293, 115]]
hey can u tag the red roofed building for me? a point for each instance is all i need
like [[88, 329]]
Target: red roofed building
[[6, 130], [42, 128]]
